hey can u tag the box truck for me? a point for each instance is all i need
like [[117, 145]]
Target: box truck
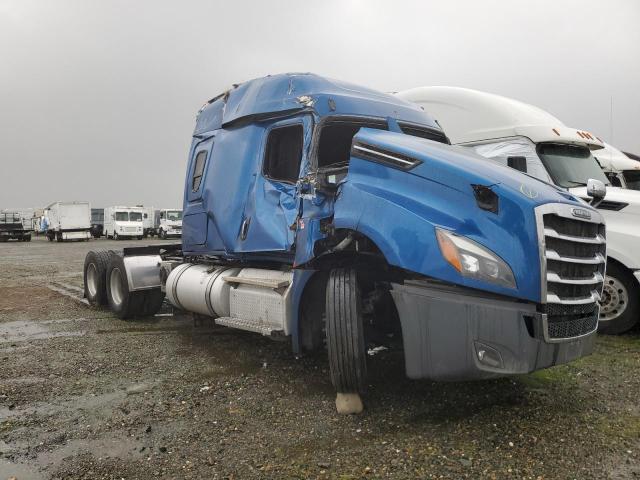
[[531, 140], [67, 221], [332, 214], [124, 222], [168, 222]]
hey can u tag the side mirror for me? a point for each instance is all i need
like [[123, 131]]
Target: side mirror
[[596, 190]]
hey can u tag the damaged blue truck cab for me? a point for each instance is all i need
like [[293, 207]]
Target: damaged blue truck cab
[[336, 214], [290, 168]]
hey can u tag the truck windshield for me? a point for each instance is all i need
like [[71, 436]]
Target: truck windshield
[[135, 216], [122, 216], [174, 216], [632, 177], [570, 165]]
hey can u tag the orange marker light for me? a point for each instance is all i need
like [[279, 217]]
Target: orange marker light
[[449, 250], [556, 131]]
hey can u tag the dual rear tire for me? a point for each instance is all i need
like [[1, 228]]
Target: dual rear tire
[[106, 283]]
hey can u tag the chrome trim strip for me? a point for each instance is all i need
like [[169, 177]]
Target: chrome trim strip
[[598, 239], [553, 298], [555, 278], [595, 260], [376, 152]]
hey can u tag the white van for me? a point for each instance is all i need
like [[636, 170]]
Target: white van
[[123, 222], [535, 142]]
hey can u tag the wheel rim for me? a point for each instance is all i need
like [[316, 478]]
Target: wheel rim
[[614, 299], [92, 279], [116, 287]]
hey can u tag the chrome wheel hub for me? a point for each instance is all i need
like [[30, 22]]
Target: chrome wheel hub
[[116, 286], [92, 279], [614, 299]]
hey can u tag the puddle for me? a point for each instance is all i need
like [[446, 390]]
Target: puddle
[[24, 331], [92, 403], [120, 447], [18, 471]]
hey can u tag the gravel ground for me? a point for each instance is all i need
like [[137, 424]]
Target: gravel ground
[[84, 395]]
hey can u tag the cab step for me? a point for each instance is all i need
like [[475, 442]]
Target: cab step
[[249, 325]]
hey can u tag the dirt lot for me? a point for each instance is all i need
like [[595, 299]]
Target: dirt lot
[[85, 395]]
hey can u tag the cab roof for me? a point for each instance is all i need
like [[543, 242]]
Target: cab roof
[[277, 95], [470, 116]]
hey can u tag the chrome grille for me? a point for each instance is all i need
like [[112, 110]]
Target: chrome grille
[[573, 260]]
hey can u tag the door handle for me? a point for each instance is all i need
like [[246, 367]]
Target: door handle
[[244, 229]]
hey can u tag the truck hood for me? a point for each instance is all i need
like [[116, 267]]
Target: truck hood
[[459, 168]]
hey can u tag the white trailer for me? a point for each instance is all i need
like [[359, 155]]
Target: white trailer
[[124, 222], [67, 221], [168, 222], [532, 140], [148, 222]]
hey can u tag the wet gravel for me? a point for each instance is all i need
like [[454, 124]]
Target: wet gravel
[[84, 395]]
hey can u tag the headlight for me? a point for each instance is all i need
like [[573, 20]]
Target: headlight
[[473, 260]]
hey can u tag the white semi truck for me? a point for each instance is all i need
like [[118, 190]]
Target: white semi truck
[[124, 222], [535, 142], [619, 169], [67, 221], [168, 222]]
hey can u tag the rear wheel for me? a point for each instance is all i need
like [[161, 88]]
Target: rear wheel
[[620, 305], [345, 332], [95, 272], [125, 303]]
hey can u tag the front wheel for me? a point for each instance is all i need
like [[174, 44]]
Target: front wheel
[[345, 332], [620, 305], [162, 234], [115, 236]]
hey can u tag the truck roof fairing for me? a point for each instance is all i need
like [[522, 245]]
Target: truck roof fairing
[[470, 116], [282, 94]]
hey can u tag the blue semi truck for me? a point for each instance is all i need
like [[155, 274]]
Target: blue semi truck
[[337, 216]]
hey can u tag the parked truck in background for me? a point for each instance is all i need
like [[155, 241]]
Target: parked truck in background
[[148, 225], [67, 221], [531, 140], [124, 222], [97, 222], [336, 215], [168, 222], [621, 170], [14, 227]]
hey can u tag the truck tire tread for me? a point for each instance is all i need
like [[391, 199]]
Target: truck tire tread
[[345, 333]]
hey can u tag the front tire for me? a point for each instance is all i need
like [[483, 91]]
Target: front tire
[[620, 305], [116, 236], [345, 332], [162, 234]]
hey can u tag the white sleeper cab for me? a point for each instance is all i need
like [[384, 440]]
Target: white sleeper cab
[[535, 142]]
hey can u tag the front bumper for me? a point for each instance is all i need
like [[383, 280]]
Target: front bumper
[[456, 334]]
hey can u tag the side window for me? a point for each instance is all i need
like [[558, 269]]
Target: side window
[[284, 153], [334, 147], [198, 169]]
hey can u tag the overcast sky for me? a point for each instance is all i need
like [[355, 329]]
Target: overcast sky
[[98, 98]]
